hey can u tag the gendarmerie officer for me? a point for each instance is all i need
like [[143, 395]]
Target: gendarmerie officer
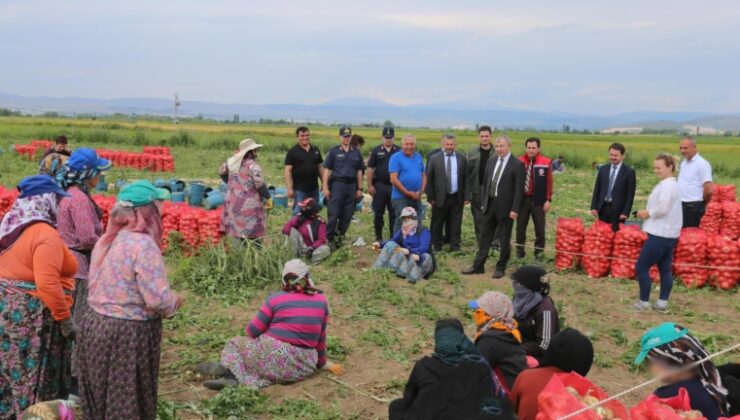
[[379, 182], [342, 182]]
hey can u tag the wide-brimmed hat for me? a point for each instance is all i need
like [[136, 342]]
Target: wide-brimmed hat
[[235, 162]]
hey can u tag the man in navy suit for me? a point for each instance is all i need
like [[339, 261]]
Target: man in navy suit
[[614, 191]]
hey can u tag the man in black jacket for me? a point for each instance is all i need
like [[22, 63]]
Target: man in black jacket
[[447, 193], [614, 191], [504, 185]]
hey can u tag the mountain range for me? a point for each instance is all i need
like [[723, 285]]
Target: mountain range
[[355, 110]]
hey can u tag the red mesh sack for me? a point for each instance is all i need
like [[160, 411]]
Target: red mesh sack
[[598, 244], [557, 399], [690, 257], [722, 193], [712, 218], [569, 237], [723, 252], [674, 408], [628, 243], [730, 227]]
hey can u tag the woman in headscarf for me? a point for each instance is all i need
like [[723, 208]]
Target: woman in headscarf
[[284, 343], [247, 196], [55, 157], [497, 336], [670, 350], [408, 253], [569, 351], [306, 232], [79, 222], [454, 382], [534, 310], [120, 334], [36, 283]]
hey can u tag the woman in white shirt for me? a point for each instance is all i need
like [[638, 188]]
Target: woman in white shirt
[[662, 222]]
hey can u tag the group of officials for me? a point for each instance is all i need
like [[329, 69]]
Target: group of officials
[[501, 188]]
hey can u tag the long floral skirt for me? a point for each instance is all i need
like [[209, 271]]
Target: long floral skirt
[[118, 363], [34, 356], [264, 361], [79, 308]]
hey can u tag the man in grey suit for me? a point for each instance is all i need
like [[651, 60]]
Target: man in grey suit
[[504, 184], [447, 193]]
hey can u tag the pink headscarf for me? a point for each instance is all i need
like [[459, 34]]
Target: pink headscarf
[[145, 219]]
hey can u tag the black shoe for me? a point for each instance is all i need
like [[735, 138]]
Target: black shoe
[[520, 255], [219, 384], [498, 274], [211, 369], [473, 270], [437, 248]]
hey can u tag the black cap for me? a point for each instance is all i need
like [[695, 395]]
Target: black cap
[[389, 132], [531, 277], [345, 131]]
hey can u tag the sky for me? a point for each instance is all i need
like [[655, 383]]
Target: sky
[[579, 56]]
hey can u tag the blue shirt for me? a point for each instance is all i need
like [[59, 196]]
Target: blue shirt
[[343, 164], [409, 170]]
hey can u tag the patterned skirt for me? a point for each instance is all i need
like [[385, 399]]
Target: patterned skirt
[[80, 305], [264, 361], [118, 363], [34, 356]]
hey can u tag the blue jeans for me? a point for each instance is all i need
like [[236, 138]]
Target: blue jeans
[[656, 250], [401, 203], [302, 195]]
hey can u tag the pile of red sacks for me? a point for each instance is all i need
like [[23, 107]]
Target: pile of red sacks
[[723, 252], [7, 198], [155, 162], [30, 150], [568, 241], [628, 243], [690, 257]]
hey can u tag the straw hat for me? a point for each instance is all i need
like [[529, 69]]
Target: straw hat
[[235, 162]]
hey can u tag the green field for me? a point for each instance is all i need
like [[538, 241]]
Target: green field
[[380, 324]]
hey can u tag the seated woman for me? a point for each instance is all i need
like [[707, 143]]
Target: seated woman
[[454, 382], [408, 253], [497, 338], [534, 310], [306, 232], [569, 351], [285, 342], [668, 349]]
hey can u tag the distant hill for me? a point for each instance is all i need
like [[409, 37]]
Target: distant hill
[[366, 110]]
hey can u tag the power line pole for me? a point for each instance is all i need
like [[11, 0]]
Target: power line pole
[[177, 104]]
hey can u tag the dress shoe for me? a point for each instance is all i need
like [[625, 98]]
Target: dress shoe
[[498, 274], [473, 270]]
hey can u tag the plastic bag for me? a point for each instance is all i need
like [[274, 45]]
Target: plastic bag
[[556, 401], [674, 408]]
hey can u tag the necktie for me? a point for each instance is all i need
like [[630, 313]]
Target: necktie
[[612, 178], [494, 184], [528, 179], [448, 172]]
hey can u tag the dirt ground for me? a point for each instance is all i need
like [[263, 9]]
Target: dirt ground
[[601, 308]]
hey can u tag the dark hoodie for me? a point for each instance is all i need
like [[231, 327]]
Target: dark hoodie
[[503, 353]]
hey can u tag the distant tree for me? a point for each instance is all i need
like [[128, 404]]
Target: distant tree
[[236, 119], [566, 128], [727, 133]]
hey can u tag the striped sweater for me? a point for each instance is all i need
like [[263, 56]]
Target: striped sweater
[[294, 318]]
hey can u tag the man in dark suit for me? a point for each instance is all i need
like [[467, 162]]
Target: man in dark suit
[[447, 193], [504, 185], [614, 191]]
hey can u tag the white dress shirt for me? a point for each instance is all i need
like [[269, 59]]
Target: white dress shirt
[[695, 172], [498, 163], [664, 210]]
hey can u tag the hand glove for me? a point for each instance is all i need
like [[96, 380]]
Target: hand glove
[[376, 246], [415, 257], [334, 368], [268, 203], [403, 251], [68, 328]]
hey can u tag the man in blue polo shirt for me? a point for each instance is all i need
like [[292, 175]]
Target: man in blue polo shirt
[[342, 185], [408, 179]]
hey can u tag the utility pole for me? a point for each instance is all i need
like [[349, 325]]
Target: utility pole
[[177, 104]]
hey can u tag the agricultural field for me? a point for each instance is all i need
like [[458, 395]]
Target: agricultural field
[[380, 324]]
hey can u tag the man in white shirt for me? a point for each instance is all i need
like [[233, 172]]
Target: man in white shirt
[[694, 183]]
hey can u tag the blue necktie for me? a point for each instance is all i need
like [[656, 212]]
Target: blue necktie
[[612, 178]]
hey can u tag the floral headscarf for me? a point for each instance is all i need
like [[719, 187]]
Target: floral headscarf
[[68, 177], [495, 312], [25, 212], [408, 227]]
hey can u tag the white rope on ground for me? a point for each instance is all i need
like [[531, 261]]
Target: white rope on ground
[[359, 391], [652, 381]]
